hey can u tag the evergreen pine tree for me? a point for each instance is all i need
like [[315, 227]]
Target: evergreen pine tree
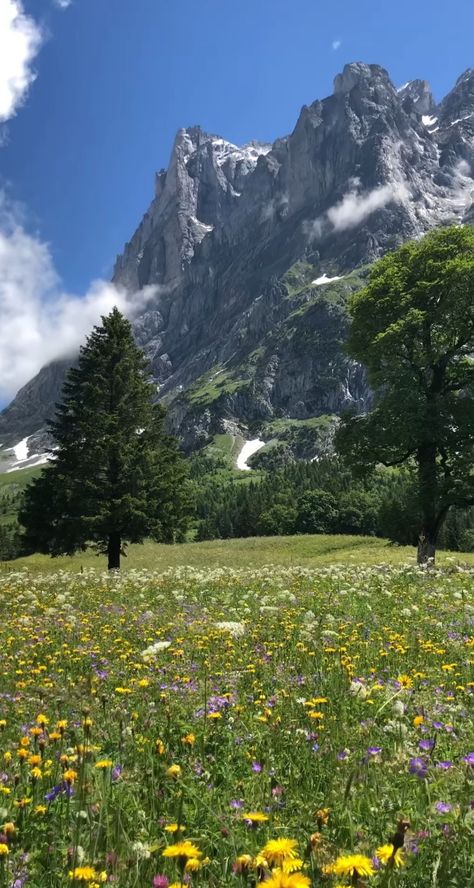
[[116, 476]]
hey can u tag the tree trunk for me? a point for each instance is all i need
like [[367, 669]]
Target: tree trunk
[[426, 547], [113, 550], [428, 490]]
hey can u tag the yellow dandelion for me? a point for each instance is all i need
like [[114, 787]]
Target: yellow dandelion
[[292, 866], [103, 764], [405, 681], [276, 851], [84, 874], [42, 720], [418, 720], [70, 775], [23, 802], [174, 827], [387, 854], [243, 863], [185, 850], [259, 862], [353, 865], [255, 817], [8, 828], [279, 879], [4, 849], [322, 816], [189, 739], [174, 771], [193, 865], [40, 809]]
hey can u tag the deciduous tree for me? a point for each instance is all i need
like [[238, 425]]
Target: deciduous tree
[[413, 329]]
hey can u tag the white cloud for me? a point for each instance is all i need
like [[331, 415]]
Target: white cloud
[[355, 207], [63, 4], [20, 40], [40, 322], [336, 44]]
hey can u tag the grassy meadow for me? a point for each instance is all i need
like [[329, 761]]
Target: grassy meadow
[[302, 550], [286, 711]]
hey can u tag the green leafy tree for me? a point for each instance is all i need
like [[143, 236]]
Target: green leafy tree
[[116, 476], [317, 512], [413, 329]]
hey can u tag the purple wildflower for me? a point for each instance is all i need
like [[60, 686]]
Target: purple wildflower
[[160, 881], [418, 766], [426, 745], [374, 750], [443, 807], [444, 766], [469, 758], [257, 767], [59, 789]]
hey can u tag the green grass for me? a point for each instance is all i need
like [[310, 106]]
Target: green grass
[[12, 485], [314, 422], [17, 480], [305, 550], [209, 387], [226, 446]]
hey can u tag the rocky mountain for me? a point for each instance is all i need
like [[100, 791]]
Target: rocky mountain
[[253, 251]]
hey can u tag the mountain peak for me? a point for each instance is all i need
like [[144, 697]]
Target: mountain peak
[[459, 103], [419, 91], [359, 73]]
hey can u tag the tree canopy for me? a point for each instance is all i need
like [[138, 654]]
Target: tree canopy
[[413, 329], [115, 475]]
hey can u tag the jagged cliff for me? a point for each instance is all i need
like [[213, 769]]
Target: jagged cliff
[[253, 251]]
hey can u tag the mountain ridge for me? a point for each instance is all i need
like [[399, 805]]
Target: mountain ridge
[[239, 243]]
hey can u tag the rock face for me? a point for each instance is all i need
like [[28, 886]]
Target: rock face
[[253, 252]]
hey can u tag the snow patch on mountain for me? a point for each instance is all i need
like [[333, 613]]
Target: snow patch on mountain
[[324, 279], [248, 450], [21, 449]]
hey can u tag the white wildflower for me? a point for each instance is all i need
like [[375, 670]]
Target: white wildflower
[[151, 652], [232, 626]]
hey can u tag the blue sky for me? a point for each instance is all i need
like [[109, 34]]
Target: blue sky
[[93, 91], [117, 78]]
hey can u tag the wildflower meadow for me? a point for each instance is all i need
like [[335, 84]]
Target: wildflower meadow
[[295, 727]]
